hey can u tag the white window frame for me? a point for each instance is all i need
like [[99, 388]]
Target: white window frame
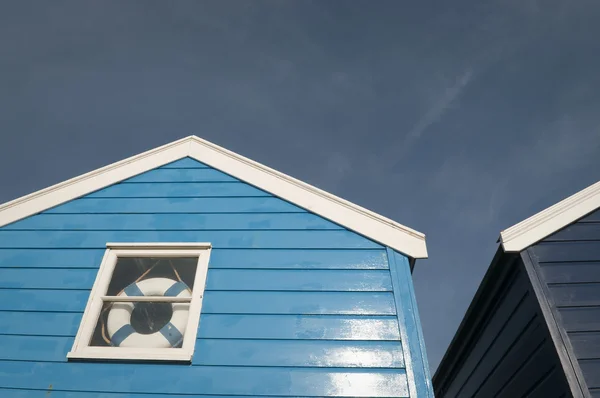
[[81, 348]]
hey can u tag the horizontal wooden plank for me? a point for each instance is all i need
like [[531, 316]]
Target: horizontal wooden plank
[[54, 393], [35, 348], [300, 303], [50, 258], [567, 251], [577, 232], [220, 258], [316, 259], [176, 205], [219, 302], [585, 319], [574, 295], [586, 345], [227, 326], [47, 278], [339, 239], [218, 279], [308, 280], [571, 272], [591, 372], [592, 217], [43, 300], [219, 380], [178, 190], [185, 163], [180, 221], [39, 323], [223, 352], [306, 353], [182, 175], [309, 327]]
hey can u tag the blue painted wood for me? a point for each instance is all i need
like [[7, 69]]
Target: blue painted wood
[[185, 163], [216, 326], [218, 279], [35, 348], [417, 368], [39, 323], [43, 300], [219, 302], [227, 326], [591, 372], [220, 258], [304, 259], [162, 222], [568, 265], [566, 251], [181, 175], [223, 352], [51, 258], [176, 205], [219, 239], [302, 327], [178, 190], [592, 217], [576, 295], [571, 272], [503, 348], [365, 303], [295, 305], [579, 232], [31, 393], [586, 345], [582, 319], [220, 380], [308, 280], [47, 278]]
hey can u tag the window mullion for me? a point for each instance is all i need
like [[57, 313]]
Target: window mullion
[[146, 299]]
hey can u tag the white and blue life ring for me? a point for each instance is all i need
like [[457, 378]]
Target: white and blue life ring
[[122, 334]]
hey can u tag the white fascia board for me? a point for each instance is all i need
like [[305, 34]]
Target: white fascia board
[[548, 221], [349, 215], [89, 182]]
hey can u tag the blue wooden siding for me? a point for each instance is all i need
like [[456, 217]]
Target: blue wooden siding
[[294, 305], [503, 348], [569, 265]]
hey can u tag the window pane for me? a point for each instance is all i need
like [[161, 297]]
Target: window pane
[[128, 270], [141, 325]]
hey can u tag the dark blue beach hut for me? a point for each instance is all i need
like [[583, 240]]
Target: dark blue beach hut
[[533, 327], [190, 270]]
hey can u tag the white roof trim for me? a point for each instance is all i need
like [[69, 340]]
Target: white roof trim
[[349, 215], [545, 223]]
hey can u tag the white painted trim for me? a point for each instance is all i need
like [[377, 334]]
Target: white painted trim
[[545, 223], [158, 245], [349, 215], [81, 348]]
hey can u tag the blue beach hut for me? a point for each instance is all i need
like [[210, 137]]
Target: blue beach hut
[[190, 270]]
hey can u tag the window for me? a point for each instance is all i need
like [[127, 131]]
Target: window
[[145, 303]]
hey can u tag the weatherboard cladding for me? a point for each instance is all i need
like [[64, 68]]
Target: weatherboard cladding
[[568, 263], [503, 348], [294, 305]]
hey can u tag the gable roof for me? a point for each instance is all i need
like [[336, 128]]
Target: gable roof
[[548, 221], [315, 200]]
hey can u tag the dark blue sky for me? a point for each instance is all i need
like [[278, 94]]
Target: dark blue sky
[[457, 118]]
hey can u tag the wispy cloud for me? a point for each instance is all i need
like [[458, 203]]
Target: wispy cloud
[[437, 110]]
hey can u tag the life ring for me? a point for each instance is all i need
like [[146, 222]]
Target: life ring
[[122, 334]]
